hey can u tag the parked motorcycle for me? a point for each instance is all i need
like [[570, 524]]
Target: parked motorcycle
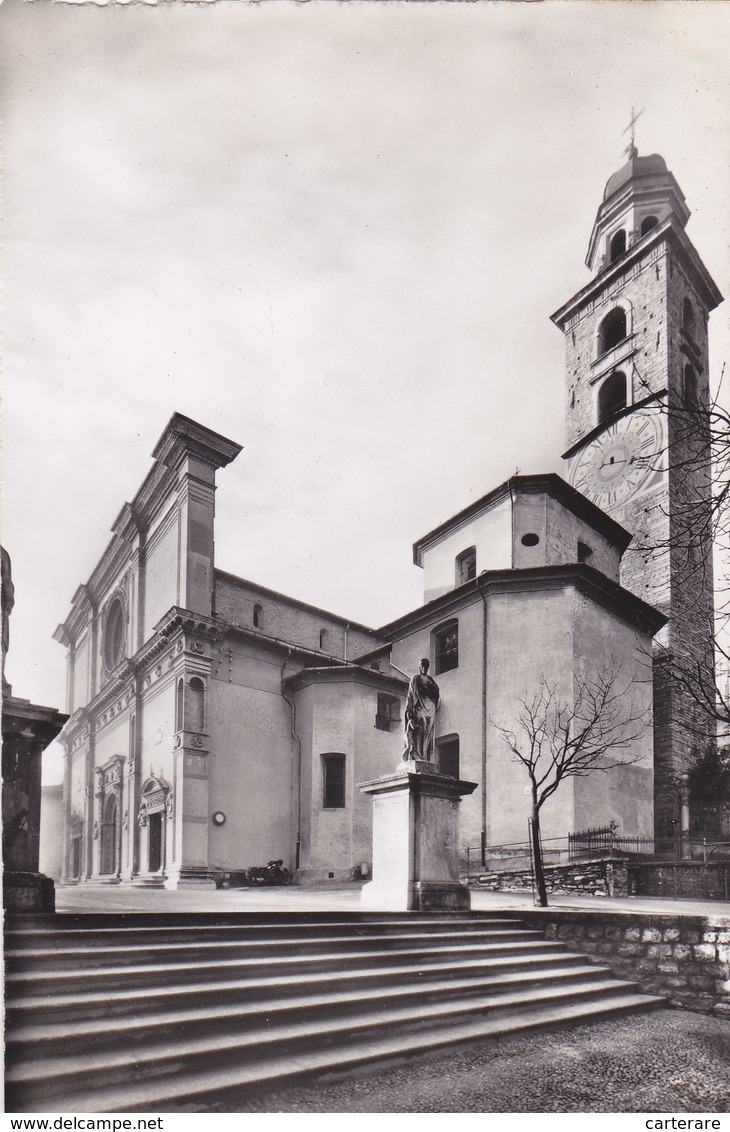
[[271, 874]]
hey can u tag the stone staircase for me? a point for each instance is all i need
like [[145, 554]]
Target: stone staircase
[[123, 1013]]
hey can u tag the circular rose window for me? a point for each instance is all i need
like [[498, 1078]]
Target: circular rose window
[[114, 634]]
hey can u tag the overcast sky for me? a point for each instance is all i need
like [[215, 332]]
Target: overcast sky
[[334, 233]]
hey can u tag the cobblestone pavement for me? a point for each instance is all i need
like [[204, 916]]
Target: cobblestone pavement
[[667, 1061]]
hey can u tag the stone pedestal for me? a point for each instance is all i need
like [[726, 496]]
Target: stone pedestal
[[27, 729], [416, 841]]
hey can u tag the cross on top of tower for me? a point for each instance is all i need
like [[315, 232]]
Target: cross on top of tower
[[631, 150]]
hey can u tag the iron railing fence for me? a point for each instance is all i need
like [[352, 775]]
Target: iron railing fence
[[516, 856]]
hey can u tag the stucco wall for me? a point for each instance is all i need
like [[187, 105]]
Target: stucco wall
[[529, 636], [460, 711], [559, 531], [252, 759], [337, 716], [50, 853], [162, 571], [77, 782], [605, 643], [81, 673], [490, 532]]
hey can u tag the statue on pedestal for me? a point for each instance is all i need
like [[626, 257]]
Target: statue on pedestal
[[420, 715]]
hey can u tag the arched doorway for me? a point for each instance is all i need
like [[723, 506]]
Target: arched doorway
[[109, 839], [154, 812]]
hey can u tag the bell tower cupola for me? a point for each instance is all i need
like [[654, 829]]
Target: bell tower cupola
[[641, 196]]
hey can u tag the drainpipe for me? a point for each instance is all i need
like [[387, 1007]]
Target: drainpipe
[[344, 643], [298, 767], [484, 724]]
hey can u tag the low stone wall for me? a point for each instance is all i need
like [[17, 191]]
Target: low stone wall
[[692, 880], [684, 958], [602, 876]]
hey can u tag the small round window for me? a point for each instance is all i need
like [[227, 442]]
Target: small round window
[[114, 634], [530, 539]]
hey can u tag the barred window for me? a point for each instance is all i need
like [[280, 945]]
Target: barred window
[[446, 647], [466, 565], [447, 755], [388, 712]]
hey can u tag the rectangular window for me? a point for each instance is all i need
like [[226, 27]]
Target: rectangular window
[[388, 712], [447, 755], [446, 648], [333, 782]]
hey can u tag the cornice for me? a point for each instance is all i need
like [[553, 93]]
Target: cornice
[[184, 436], [264, 591], [643, 191], [346, 674], [592, 583], [612, 273], [550, 484], [179, 620], [30, 722]]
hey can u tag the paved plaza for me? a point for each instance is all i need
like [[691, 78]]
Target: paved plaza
[[336, 898]]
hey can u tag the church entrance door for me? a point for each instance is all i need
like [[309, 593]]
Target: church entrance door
[[108, 862], [155, 842]]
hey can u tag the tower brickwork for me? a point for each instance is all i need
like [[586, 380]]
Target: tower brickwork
[[637, 388]]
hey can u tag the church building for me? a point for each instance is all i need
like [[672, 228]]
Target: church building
[[216, 724]]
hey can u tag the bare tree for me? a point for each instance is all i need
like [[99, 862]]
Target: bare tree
[[698, 526], [702, 520], [556, 739]]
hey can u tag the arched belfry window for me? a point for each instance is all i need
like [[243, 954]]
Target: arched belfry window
[[648, 223], [612, 396], [612, 330], [446, 647], [618, 245], [258, 616], [322, 638], [466, 565]]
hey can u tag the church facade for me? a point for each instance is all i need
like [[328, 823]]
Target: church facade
[[216, 724]]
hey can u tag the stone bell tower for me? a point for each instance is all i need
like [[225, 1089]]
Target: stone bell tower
[[637, 390]]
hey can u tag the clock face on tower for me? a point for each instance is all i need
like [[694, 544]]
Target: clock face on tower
[[624, 460]]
